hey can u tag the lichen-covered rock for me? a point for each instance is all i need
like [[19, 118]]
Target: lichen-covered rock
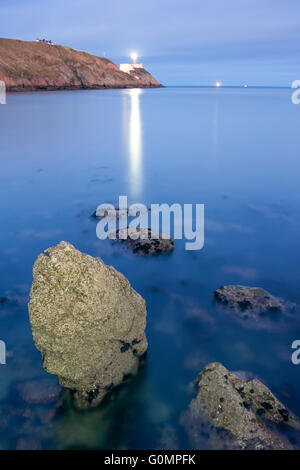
[[250, 301], [87, 322], [144, 241], [236, 414]]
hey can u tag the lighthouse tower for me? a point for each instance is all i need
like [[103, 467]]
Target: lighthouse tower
[[127, 68]]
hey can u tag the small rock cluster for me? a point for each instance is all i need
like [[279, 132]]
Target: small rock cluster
[[89, 325], [29, 417], [142, 241]]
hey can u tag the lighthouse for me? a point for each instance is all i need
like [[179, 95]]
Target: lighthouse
[[127, 68]]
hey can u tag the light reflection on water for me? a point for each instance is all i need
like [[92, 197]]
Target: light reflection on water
[[133, 141]]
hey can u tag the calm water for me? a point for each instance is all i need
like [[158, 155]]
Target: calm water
[[235, 150]]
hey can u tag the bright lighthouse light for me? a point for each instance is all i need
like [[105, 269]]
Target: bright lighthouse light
[[218, 84], [134, 56]]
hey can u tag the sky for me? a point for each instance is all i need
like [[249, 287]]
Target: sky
[[181, 42]]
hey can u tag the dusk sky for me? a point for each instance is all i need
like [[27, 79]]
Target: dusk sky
[[182, 42]]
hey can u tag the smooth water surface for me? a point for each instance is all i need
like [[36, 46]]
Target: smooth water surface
[[235, 150]]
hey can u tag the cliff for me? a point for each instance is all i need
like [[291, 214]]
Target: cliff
[[31, 66]]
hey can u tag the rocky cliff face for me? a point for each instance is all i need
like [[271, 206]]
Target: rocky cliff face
[[30, 66]]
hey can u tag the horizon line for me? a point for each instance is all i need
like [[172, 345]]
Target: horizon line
[[229, 86]]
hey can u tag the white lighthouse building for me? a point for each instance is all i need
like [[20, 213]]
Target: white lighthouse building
[[130, 67]]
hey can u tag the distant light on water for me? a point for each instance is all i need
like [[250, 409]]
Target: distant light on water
[[218, 84]]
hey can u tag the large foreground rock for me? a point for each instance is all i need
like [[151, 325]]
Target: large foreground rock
[[236, 414], [87, 322]]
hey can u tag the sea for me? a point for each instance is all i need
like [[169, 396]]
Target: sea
[[234, 150]]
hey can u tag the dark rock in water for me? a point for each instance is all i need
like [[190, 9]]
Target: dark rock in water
[[40, 391], [5, 416], [28, 443], [108, 212], [82, 313], [249, 302], [9, 305], [47, 415], [4, 301], [146, 242], [236, 414], [8, 301], [117, 213]]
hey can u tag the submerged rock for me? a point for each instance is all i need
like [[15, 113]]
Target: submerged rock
[[28, 443], [236, 414], [87, 322], [39, 391], [250, 301], [146, 242]]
